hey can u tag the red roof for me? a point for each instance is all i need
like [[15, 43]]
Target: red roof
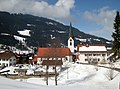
[[53, 52]]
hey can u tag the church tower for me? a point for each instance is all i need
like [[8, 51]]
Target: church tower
[[71, 39]]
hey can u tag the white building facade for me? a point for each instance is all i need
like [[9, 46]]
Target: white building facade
[[92, 53], [7, 59], [71, 44]]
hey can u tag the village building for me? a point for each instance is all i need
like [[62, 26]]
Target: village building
[[71, 40], [94, 53], [24, 58], [7, 58], [53, 54]]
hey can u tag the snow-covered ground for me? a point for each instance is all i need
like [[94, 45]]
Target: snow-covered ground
[[77, 76]]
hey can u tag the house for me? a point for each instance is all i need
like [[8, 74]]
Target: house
[[53, 53], [94, 53], [7, 58], [24, 58]]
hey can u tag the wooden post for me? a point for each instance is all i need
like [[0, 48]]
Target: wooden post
[[46, 74], [55, 72]]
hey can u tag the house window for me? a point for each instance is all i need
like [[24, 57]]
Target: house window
[[90, 54], [86, 59], [98, 59], [3, 64], [6, 59], [103, 54], [98, 54], [6, 64], [94, 54], [10, 64]]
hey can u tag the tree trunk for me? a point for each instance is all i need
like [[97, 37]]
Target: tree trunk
[[46, 75], [55, 76]]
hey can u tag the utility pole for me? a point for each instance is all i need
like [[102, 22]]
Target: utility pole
[[46, 74], [56, 72]]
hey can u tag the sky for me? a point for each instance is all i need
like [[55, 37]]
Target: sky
[[94, 17]]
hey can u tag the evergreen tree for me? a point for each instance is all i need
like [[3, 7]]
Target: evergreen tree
[[116, 37]]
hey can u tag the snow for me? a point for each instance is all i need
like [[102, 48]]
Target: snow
[[50, 23], [25, 32], [52, 37], [61, 31], [83, 40], [11, 68], [92, 48], [75, 76], [108, 42], [19, 38], [96, 39], [5, 34]]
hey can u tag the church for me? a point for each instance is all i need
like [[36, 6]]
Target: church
[[53, 53], [85, 53]]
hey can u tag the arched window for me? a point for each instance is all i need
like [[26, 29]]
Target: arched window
[[70, 39], [70, 43]]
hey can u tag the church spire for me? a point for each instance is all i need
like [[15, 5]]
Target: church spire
[[70, 31], [71, 39]]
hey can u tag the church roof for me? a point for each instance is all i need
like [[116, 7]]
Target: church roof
[[71, 31], [53, 52]]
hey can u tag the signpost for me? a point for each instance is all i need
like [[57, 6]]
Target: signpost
[[48, 63]]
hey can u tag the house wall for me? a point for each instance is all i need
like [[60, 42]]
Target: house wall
[[90, 57], [8, 62], [69, 58]]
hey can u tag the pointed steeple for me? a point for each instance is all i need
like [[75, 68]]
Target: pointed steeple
[[71, 39], [70, 31]]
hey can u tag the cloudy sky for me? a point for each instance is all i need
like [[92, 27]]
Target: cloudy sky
[[90, 16]]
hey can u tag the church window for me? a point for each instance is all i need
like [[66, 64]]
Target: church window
[[70, 39], [70, 43]]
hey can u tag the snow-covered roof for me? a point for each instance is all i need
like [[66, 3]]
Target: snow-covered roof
[[92, 48]]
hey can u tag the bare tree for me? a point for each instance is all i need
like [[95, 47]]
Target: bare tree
[[110, 73]]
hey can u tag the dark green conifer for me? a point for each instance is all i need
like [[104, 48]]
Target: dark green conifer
[[116, 37]]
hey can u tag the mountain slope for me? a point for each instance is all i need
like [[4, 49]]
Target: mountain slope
[[39, 31]]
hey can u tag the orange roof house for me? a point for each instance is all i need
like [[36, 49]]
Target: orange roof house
[[53, 53], [7, 58]]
